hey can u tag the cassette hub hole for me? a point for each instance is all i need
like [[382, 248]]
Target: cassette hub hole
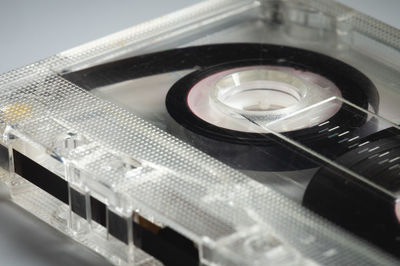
[[261, 99], [258, 92]]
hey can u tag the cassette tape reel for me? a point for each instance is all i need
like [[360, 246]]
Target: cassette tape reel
[[216, 102]]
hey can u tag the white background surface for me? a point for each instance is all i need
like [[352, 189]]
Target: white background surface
[[32, 30]]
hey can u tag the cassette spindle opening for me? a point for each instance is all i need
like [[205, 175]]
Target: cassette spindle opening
[[260, 92]]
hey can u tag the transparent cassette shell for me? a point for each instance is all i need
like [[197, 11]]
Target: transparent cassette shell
[[104, 151]]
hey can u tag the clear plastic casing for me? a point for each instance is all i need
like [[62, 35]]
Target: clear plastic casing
[[108, 166]]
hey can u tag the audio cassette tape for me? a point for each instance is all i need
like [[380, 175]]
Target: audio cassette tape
[[228, 133]]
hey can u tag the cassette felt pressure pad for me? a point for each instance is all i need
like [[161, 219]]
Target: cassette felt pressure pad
[[228, 133]]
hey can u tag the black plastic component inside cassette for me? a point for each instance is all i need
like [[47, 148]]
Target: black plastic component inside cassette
[[165, 244], [357, 205]]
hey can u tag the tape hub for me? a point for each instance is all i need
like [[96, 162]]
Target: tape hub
[[264, 93], [232, 98], [259, 99]]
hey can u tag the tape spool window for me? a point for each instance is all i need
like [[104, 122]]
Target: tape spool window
[[199, 102]]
